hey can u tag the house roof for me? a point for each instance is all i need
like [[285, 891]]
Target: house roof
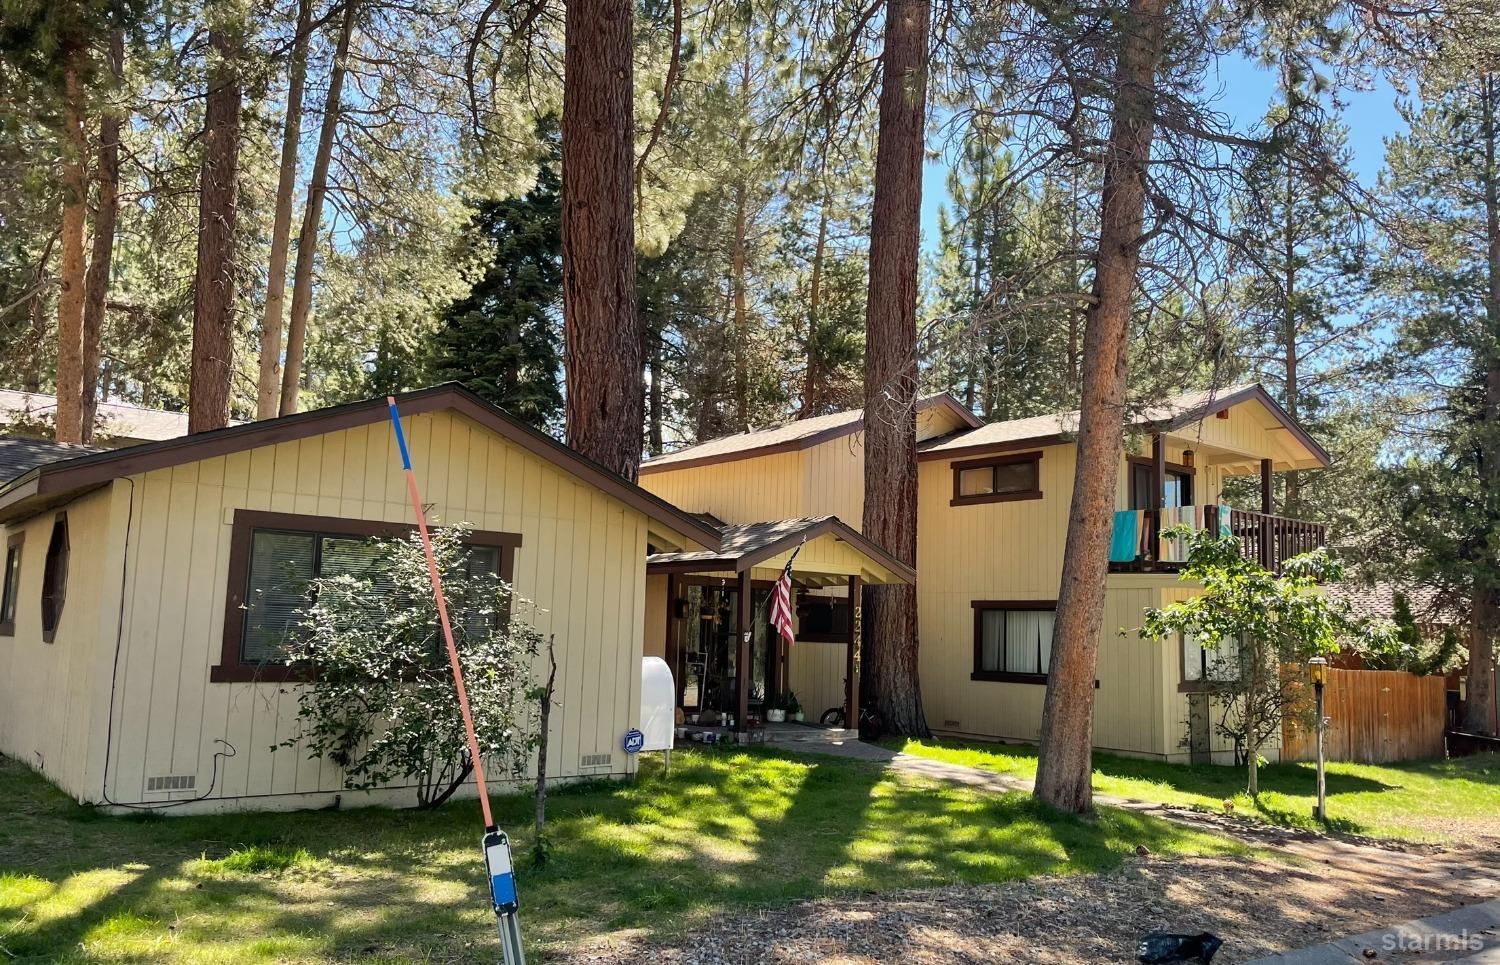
[[117, 420], [1174, 413], [746, 545], [52, 482], [1377, 601], [801, 434], [19, 454]]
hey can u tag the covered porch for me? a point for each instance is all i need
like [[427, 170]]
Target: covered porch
[[708, 616]]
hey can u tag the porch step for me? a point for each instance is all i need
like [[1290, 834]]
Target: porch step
[[809, 733]]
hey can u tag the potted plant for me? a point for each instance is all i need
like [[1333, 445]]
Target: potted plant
[[791, 706]]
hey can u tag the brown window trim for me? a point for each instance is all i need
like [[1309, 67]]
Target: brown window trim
[[59, 588], [8, 628], [230, 669], [1172, 467], [1005, 459], [1004, 676]]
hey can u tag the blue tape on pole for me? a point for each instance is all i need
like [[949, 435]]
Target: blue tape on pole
[[400, 436], [497, 865]]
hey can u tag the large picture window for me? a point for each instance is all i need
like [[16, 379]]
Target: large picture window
[[1013, 640], [55, 578], [996, 479], [10, 590], [275, 557]]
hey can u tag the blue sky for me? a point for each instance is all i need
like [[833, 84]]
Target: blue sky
[[1244, 92]]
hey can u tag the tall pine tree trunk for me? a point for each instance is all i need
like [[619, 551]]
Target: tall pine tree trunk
[[268, 388], [96, 282], [655, 400], [312, 220], [737, 262], [71, 283], [213, 296], [812, 378], [1075, 317], [1479, 716], [1064, 766], [31, 378], [602, 336], [1290, 503], [890, 512]]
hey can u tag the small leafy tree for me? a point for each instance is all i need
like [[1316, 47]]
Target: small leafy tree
[[381, 702], [1277, 622], [1408, 648]]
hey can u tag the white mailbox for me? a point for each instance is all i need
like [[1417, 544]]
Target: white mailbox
[[658, 704]]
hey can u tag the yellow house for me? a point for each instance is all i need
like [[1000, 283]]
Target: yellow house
[[132, 673], [993, 504]]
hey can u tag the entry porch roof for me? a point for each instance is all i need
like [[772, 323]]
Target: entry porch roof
[[831, 551]]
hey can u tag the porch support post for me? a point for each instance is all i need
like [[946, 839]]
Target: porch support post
[[1159, 470], [674, 657], [851, 659], [743, 633], [1268, 555]]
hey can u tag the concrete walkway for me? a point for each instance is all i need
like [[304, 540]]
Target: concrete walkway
[[846, 743], [1470, 934]]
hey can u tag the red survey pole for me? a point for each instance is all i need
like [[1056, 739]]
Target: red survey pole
[[442, 608]]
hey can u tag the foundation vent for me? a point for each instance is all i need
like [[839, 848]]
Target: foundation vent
[[951, 724], [595, 760], [171, 782]]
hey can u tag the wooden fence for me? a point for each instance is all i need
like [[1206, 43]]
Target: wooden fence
[[1374, 717]]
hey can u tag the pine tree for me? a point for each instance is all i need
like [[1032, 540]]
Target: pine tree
[[890, 447], [1443, 270], [1300, 264], [1003, 276], [502, 339]]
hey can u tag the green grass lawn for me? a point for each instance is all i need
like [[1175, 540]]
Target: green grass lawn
[[725, 830], [1420, 801]]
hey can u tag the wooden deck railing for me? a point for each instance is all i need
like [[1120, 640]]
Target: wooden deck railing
[[1271, 540], [1275, 539]]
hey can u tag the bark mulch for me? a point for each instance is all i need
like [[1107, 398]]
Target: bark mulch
[[1316, 890]]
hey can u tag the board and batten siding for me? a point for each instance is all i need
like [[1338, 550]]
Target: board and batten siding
[[826, 479], [581, 561], [815, 673], [1013, 551], [51, 715]]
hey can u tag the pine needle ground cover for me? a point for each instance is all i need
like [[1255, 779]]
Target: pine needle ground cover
[[725, 832], [1433, 801]]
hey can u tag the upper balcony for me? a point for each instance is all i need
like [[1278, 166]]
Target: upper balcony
[[1138, 546]]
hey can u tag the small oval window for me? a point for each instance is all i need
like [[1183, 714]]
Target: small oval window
[[55, 578]]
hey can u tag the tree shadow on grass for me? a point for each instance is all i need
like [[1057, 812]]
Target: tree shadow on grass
[[725, 831]]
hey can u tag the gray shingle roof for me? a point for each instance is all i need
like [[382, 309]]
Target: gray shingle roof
[[791, 435], [117, 420], [1377, 601], [1186, 407], [748, 543], [19, 455]]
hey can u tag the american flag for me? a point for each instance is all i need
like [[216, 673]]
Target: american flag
[[781, 601]]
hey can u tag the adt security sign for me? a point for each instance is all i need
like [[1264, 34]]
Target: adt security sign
[[634, 741], [502, 875]]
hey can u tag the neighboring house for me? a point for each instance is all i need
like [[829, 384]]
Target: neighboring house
[[117, 423], [132, 674], [992, 518]]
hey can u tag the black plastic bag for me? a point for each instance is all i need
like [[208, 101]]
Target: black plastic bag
[[1160, 949]]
